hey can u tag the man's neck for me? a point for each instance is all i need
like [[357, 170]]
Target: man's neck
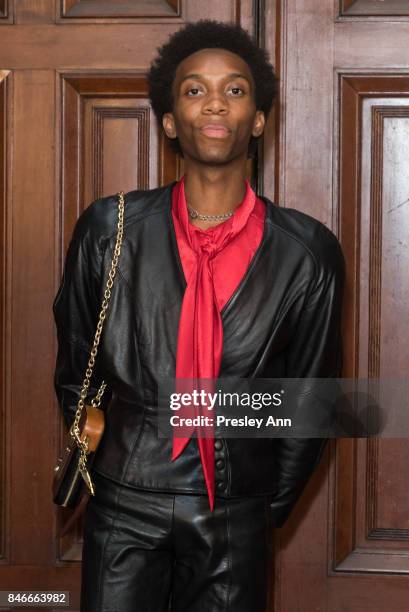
[[213, 190]]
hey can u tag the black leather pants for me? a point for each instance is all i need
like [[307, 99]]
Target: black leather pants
[[145, 551]]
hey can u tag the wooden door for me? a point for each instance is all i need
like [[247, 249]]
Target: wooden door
[[342, 155], [75, 124]]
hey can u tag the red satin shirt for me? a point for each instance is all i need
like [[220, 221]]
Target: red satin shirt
[[214, 262]]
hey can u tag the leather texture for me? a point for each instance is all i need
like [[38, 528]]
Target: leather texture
[[283, 320], [143, 550]]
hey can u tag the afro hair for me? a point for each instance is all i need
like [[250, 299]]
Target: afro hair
[[205, 34]]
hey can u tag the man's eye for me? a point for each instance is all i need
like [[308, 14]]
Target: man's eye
[[236, 89], [196, 89]]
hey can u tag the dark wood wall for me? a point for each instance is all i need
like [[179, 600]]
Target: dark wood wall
[[75, 124]]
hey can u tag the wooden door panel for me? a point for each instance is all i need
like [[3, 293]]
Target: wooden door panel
[[111, 137], [5, 12], [374, 174], [369, 8], [68, 9]]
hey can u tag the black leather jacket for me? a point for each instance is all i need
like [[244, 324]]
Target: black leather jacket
[[282, 321]]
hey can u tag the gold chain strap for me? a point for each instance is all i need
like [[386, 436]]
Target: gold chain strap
[[74, 430]]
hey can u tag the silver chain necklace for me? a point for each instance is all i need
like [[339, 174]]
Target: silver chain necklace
[[196, 215]]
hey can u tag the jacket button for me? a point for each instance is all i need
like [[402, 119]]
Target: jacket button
[[220, 464], [218, 444], [220, 485]]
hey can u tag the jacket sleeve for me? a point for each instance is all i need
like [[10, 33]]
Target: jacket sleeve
[[76, 309], [315, 351]]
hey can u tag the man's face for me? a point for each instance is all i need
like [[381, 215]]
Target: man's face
[[214, 112]]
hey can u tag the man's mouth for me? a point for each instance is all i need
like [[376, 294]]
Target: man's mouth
[[215, 131]]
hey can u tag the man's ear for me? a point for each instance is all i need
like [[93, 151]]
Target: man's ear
[[168, 123], [258, 124]]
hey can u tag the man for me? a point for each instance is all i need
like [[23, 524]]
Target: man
[[212, 280]]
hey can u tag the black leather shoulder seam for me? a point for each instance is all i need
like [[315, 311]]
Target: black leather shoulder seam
[[322, 240], [293, 237], [100, 218]]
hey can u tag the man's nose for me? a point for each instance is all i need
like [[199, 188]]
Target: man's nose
[[215, 102]]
